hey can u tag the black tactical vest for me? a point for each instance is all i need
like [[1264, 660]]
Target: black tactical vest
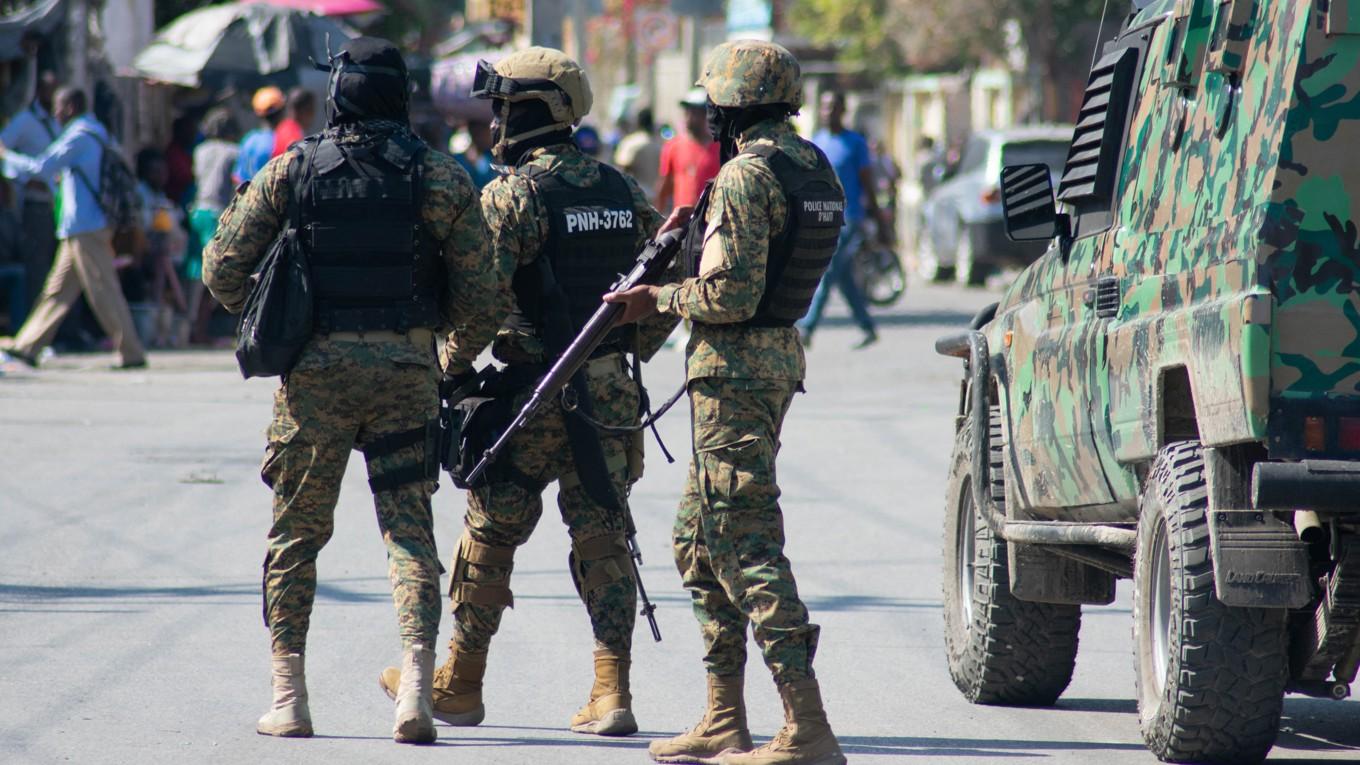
[[373, 264], [801, 252], [592, 238]]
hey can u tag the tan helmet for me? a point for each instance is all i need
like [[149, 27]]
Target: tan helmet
[[750, 73], [534, 74], [540, 74]]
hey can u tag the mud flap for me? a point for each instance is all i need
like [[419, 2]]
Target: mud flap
[[1259, 561], [1039, 576]]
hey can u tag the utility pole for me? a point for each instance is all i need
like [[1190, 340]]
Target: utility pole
[[545, 22]]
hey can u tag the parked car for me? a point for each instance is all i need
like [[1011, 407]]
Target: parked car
[[961, 232]]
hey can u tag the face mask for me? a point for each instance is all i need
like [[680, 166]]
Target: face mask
[[720, 127]]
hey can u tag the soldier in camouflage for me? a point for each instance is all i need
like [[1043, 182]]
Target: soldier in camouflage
[[556, 217], [364, 189], [763, 242]]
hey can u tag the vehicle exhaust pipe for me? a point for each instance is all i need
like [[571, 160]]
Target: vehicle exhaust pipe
[[1309, 527]]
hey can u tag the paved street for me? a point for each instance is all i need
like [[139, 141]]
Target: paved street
[[134, 525]]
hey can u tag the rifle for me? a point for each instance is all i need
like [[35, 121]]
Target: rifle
[[651, 263]]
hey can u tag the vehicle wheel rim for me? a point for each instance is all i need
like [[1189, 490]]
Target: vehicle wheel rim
[[966, 546], [1160, 609]]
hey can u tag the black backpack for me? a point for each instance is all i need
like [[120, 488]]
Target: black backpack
[[278, 316], [117, 190]]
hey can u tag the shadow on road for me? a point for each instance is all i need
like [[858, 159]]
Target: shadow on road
[[959, 319], [35, 596], [971, 747], [1319, 725]]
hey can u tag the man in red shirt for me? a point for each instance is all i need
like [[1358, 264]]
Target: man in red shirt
[[301, 110], [688, 160]]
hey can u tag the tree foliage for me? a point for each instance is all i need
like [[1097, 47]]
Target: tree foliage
[[857, 29], [1057, 36]]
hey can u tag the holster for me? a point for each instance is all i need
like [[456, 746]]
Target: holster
[[473, 418]]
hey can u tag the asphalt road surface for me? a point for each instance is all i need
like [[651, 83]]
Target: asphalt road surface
[[134, 524]]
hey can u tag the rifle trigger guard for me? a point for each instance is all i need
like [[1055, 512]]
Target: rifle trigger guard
[[570, 401]]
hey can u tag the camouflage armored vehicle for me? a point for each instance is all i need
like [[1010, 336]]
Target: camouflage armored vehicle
[[1171, 393]]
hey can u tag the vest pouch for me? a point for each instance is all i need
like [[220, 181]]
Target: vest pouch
[[277, 320]]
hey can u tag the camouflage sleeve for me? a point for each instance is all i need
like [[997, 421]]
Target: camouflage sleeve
[[247, 228], [745, 207], [652, 331], [510, 236], [471, 303]]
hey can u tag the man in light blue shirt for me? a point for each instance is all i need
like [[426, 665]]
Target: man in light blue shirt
[[30, 132], [849, 154], [258, 145], [85, 254]]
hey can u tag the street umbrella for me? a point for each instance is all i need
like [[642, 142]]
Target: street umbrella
[[239, 44]]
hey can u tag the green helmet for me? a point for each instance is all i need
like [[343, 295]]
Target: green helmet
[[750, 73]]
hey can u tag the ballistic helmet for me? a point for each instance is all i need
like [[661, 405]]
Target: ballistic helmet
[[535, 74], [744, 73], [369, 80]]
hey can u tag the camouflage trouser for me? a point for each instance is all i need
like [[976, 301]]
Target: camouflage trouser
[[729, 533], [502, 515], [342, 396]]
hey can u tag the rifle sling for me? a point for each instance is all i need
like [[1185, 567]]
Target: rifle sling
[[586, 450]]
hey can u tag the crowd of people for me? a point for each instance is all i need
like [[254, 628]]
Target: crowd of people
[[66, 279], [69, 272]]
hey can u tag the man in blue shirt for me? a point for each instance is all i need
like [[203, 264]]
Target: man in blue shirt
[[258, 145], [85, 254], [849, 155], [30, 132]]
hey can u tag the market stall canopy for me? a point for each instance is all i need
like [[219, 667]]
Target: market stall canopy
[[41, 17], [240, 44]]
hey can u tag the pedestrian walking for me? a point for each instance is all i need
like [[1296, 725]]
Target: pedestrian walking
[[301, 111], [690, 159], [397, 254], [562, 226], [214, 159], [257, 147], [85, 256], [29, 133], [849, 154], [767, 230], [639, 152]]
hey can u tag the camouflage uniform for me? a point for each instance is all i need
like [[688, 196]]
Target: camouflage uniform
[[344, 393], [504, 513], [729, 534]]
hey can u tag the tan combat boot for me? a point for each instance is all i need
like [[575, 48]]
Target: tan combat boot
[[723, 727], [609, 711], [805, 739], [457, 688], [414, 724], [288, 716]]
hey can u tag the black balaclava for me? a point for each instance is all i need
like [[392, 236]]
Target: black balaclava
[[369, 83], [522, 117], [728, 122]]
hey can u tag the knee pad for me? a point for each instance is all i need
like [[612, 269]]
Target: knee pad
[[598, 561], [464, 589]]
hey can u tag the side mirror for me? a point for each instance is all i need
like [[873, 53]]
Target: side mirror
[[1027, 198]]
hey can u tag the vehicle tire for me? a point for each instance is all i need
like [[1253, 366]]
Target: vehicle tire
[[928, 265], [879, 273], [1210, 678], [1001, 650], [967, 270]]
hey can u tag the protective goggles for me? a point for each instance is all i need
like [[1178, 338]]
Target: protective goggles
[[341, 63], [487, 84]]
